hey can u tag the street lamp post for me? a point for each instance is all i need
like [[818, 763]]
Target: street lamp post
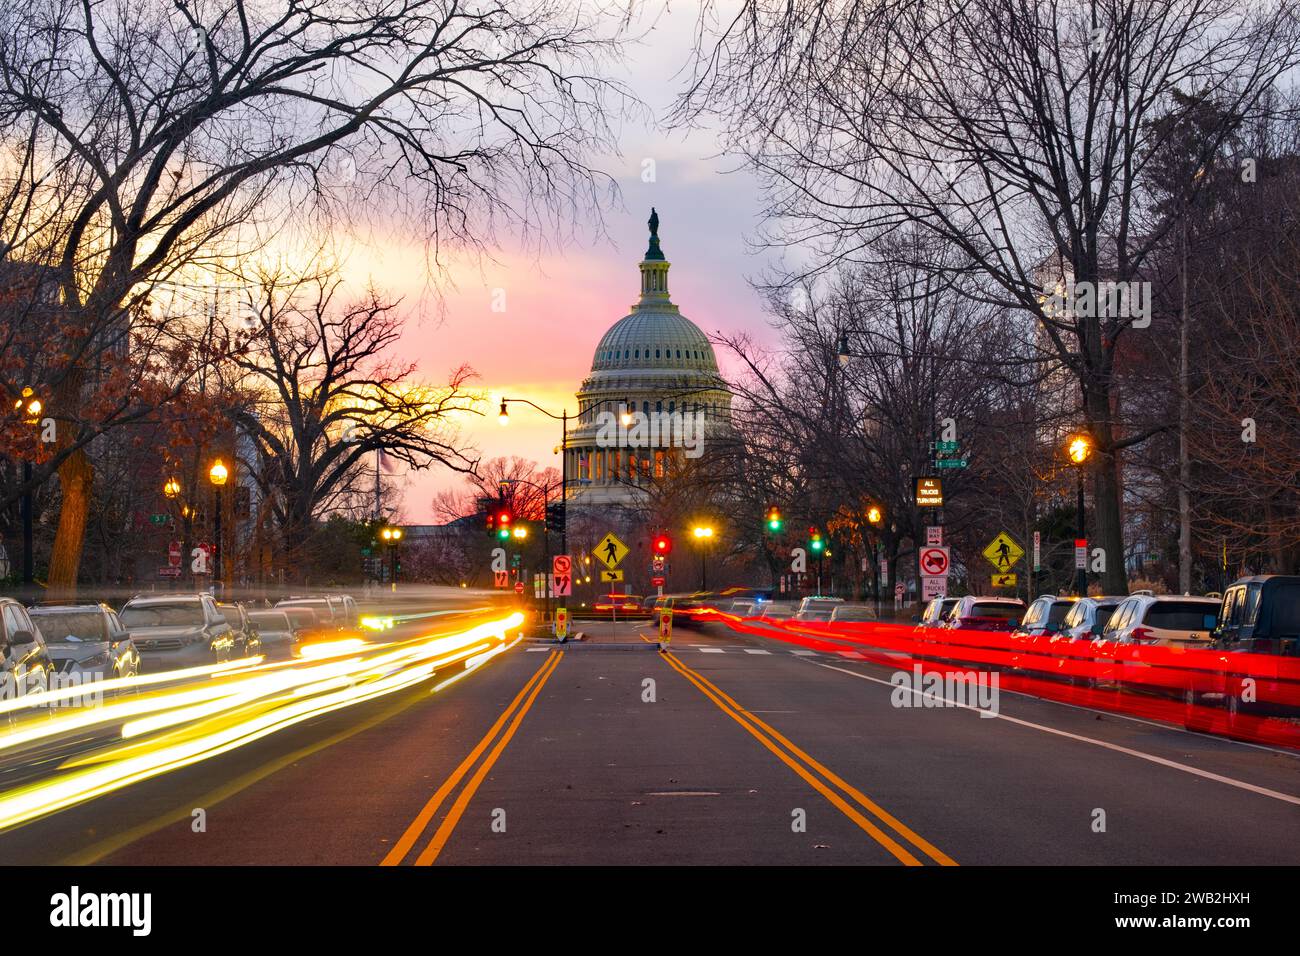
[[391, 536], [703, 535], [29, 406], [217, 475], [875, 517], [563, 419], [1079, 449]]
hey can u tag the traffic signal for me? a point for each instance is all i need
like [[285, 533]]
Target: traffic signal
[[662, 545], [491, 522], [774, 522], [815, 542], [504, 518], [555, 517]]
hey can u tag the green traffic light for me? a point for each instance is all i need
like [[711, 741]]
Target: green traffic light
[[817, 544], [774, 525], [503, 533]]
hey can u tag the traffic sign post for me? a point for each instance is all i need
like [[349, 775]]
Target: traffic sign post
[[561, 623], [610, 552], [608, 576]]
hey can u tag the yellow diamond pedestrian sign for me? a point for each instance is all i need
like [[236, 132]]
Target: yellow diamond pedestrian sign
[[1003, 552], [611, 551]]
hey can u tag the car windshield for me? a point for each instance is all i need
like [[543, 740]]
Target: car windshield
[[231, 614], [1078, 614], [1104, 613], [189, 613], [1001, 612], [269, 620], [74, 626], [1059, 611], [1182, 615], [852, 614]]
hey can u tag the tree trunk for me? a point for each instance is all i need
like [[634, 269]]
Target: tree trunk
[[1107, 508], [76, 480]]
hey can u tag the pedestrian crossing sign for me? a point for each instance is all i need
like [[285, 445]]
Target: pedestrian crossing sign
[[610, 551], [1003, 552]]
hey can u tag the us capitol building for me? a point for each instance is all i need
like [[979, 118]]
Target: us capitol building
[[653, 395]]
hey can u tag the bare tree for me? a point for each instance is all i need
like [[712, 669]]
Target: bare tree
[[323, 391], [1015, 130], [158, 141]]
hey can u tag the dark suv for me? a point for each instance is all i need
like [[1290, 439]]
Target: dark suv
[[1261, 615], [1258, 615]]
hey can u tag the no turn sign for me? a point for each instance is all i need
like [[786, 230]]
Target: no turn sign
[[934, 562]]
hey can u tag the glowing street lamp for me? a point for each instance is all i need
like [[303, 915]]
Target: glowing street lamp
[[171, 488], [504, 416], [30, 407], [703, 535], [217, 475], [391, 537], [1078, 450]]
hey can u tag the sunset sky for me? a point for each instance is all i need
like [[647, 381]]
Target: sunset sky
[[558, 307]]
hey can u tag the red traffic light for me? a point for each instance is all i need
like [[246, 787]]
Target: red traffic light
[[662, 544], [503, 517]]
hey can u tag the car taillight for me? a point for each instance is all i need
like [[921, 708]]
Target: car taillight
[[1142, 634]]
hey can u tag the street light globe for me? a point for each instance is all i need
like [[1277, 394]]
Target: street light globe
[[1079, 449], [171, 488], [702, 531], [218, 473], [521, 531], [504, 416], [874, 515]]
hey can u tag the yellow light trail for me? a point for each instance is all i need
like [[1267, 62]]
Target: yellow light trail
[[165, 728]]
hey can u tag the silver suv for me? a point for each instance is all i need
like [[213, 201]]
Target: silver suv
[[172, 631]]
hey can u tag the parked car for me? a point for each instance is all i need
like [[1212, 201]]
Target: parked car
[[245, 633], [87, 639], [328, 614], [985, 613], [1164, 619], [741, 608], [817, 608], [25, 665], [777, 611], [852, 613], [174, 631], [1088, 617], [936, 612], [1044, 617], [1260, 615], [276, 631], [1257, 615]]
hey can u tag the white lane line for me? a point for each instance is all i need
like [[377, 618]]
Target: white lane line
[[851, 655], [534, 650], [756, 650], [804, 653], [1152, 758], [1130, 718], [710, 650]]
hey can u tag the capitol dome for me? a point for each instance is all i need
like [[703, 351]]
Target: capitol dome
[[654, 365]]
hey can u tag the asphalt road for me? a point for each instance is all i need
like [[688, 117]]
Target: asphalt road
[[728, 750]]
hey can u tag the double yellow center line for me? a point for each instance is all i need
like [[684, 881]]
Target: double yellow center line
[[519, 707], [828, 784]]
